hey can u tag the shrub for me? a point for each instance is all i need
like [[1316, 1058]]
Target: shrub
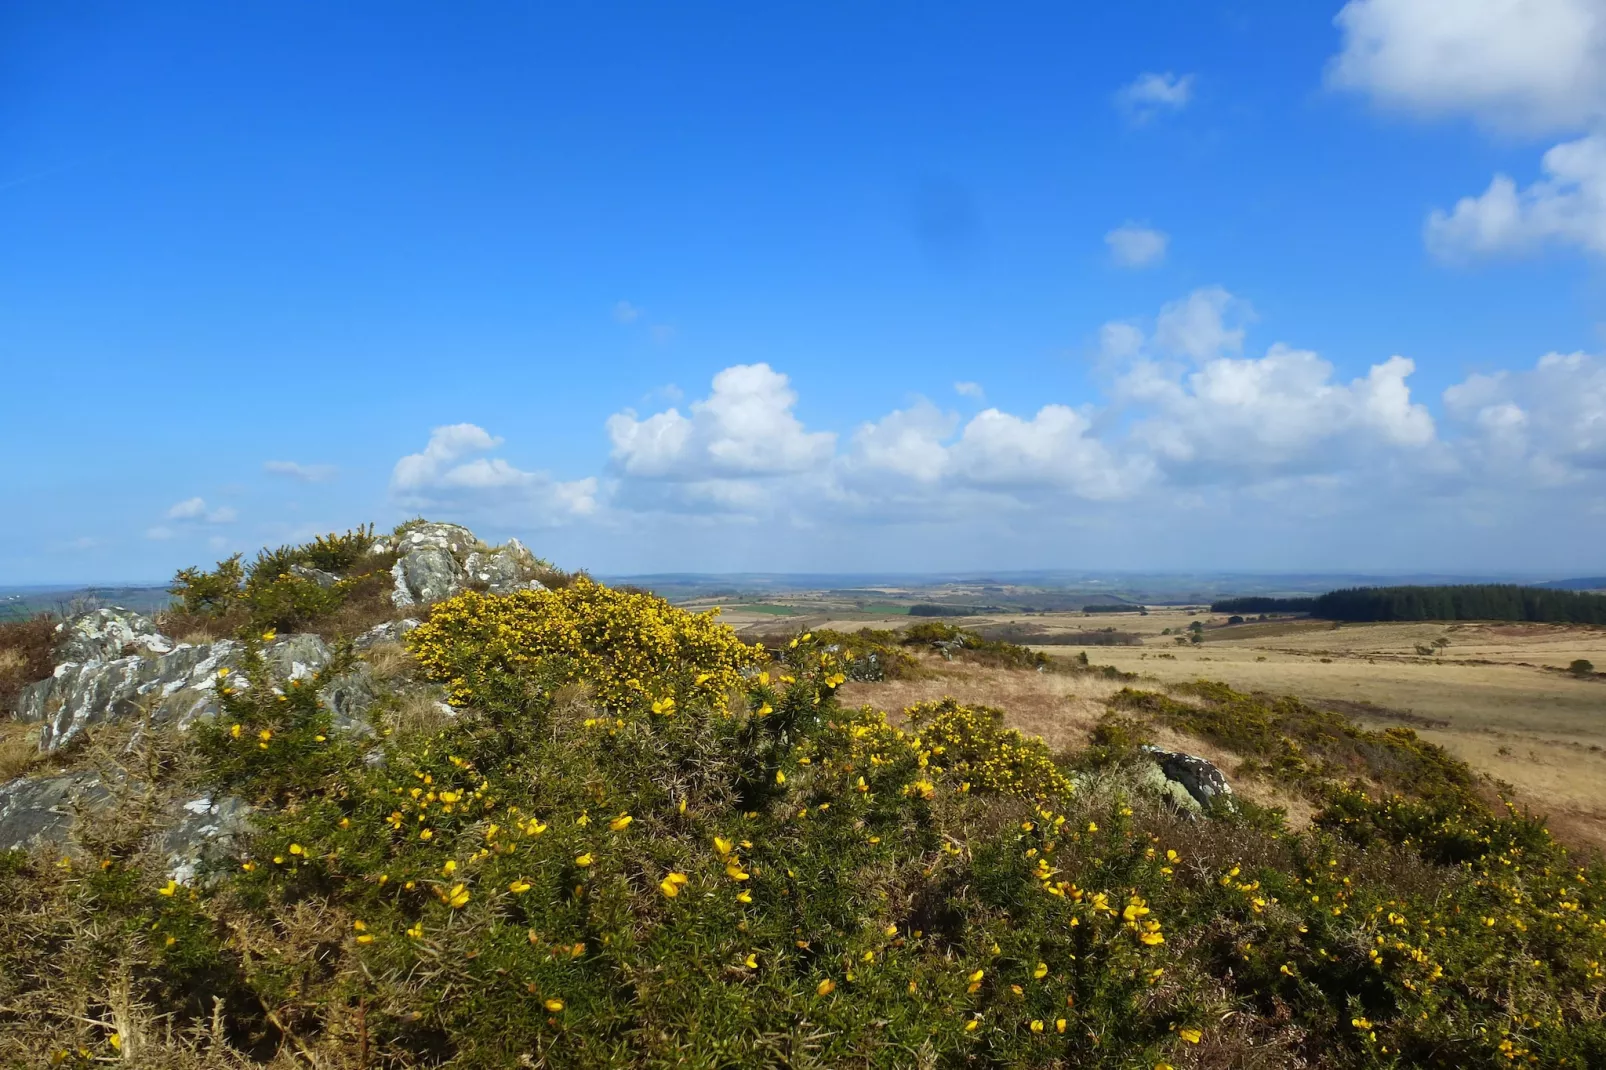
[[269, 593], [1582, 667], [634, 649], [973, 744]]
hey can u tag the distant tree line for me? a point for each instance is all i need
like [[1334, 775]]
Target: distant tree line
[[1260, 604], [1472, 601], [1116, 608]]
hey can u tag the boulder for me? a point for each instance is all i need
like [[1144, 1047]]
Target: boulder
[[37, 810], [426, 574], [106, 634], [1203, 782]]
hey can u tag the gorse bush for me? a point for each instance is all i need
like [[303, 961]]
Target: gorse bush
[[634, 649], [646, 843], [271, 593]]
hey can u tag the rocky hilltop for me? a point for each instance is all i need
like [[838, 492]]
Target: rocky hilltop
[[112, 666]]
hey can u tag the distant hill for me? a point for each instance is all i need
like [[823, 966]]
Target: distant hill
[[1586, 583]]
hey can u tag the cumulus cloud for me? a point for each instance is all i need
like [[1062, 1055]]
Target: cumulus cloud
[[745, 427], [1152, 93], [968, 389], [1206, 323], [1188, 421], [305, 473], [450, 474], [1567, 207], [1547, 423], [1134, 246], [1235, 419], [1516, 65]]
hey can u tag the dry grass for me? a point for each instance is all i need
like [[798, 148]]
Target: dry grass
[[19, 749], [1062, 708], [390, 662]]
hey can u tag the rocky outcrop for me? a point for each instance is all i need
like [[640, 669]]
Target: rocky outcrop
[[106, 634], [439, 560], [180, 686]]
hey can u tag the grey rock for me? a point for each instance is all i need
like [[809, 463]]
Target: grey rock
[[103, 635], [348, 697], [316, 575], [298, 656], [426, 574], [504, 570], [1152, 779], [203, 830], [180, 686], [37, 810], [389, 632], [453, 538], [1201, 779]]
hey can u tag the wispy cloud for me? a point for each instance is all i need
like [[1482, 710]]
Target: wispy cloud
[[1135, 246], [1153, 93], [306, 473], [625, 312]]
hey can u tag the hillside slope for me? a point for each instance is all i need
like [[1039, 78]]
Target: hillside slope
[[414, 801]]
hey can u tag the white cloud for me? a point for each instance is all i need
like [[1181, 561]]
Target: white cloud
[[160, 533], [967, 389], [194, 509], [306, 473], [1567, 206], [1053, 449], [1134, 246], [447, 475], [1151, 93], [625, 312], [1236, 419], [1203, 325], [1547, 423], [1188, 425], [746, 427], [1517, 65], [906, 442]]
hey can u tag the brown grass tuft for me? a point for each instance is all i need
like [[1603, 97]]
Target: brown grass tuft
[[25, 655]]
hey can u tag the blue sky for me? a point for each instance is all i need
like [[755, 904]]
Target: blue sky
[[794, 287]]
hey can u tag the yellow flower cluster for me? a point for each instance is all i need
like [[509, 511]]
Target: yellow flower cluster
[[973, 744], [632, 648]]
